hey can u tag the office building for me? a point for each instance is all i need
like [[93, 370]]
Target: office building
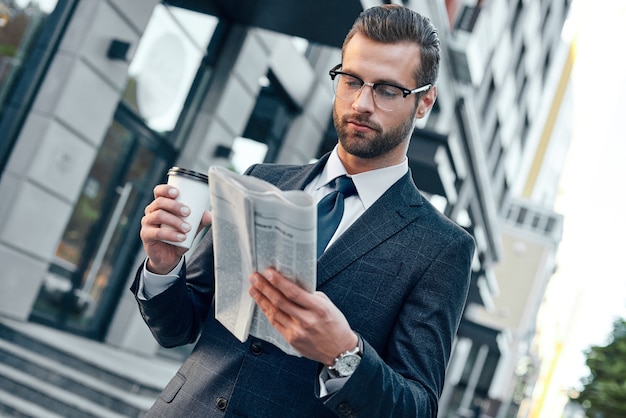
[[100, 97]]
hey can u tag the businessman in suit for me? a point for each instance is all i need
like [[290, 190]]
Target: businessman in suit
[[376, 336]]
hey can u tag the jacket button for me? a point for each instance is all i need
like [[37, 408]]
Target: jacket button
[[345, 410], [256, 348], [221, 403]]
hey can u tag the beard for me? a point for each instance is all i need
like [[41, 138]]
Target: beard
[[372, 144]]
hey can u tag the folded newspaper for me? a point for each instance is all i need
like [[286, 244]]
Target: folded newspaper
[[255, 226]]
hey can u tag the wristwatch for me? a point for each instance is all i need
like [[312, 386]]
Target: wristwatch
[[347, 362]]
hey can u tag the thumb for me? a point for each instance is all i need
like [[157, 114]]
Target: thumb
[[206, 220]]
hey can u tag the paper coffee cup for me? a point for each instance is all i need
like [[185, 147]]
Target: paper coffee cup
[[193, 192]]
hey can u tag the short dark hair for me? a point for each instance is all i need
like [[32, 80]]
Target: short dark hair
[[391, 23]]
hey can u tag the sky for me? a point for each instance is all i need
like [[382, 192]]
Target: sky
[[588, 290]]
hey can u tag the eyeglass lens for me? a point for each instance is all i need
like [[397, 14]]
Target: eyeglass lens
[[386, 96]]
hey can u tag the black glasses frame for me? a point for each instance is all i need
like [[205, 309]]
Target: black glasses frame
[[334, 72]]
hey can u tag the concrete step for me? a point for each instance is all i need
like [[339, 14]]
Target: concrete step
[[83, 360], [75, 381], [54, 398], [48, 373], [12, 406]]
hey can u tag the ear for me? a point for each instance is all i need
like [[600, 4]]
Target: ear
[[426, 102]]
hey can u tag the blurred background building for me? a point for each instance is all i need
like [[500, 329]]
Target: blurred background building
[[98, 98]]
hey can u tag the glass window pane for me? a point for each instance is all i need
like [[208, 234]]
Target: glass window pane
[[271, 117], [88, 208], [20, 22], [165, 64]]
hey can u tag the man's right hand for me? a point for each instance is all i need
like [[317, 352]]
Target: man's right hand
[[165, 210]]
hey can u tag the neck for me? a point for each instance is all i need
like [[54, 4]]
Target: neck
[[356, 165]]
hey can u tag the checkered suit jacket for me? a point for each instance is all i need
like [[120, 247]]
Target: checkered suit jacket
[[400, 274]]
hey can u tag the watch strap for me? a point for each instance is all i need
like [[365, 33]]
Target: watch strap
[[358, 350]]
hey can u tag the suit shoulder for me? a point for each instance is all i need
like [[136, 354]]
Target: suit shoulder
[[448, 227], [269, 171]]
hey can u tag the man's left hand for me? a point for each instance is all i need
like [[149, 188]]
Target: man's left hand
[[310, 322]]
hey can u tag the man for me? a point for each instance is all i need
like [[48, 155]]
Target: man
[[376, 337]]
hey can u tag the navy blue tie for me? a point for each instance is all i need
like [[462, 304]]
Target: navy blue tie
[[330, 210]]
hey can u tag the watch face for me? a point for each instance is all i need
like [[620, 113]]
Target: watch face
[[348, 364]]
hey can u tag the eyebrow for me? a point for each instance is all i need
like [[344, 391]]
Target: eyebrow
[[379, 81]]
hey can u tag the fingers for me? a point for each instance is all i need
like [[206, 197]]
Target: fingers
[[283, 292], [267, 290], [164, 219], [165, 199], [165, 190], [160, 225], [311, 323], [207, 218], [285, 303], [277, 317], [165, 210]]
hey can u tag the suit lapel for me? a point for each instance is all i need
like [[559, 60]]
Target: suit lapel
[[390, 214], [297, 178], [395, 209]]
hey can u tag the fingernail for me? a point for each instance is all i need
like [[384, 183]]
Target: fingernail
[[184, 211], [186, 226], [172, 192], [268, 275], [253, 279], [181, 237]]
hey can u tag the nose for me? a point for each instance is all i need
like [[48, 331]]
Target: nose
[[364, 100]]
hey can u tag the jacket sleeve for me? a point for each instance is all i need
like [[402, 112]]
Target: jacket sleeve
[[175, 317], [407, 378]]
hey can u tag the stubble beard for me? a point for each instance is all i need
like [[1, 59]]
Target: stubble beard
[[373, 144]]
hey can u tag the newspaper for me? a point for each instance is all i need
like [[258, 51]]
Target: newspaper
[[256, 226]]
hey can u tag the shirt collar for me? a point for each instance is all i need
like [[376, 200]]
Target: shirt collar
[[370, 185]]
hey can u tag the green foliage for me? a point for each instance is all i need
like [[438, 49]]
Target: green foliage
[[7, 50], [604, 393]]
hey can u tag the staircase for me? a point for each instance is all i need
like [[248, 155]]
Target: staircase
[[46, 373]]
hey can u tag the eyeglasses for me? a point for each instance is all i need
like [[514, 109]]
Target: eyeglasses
[[386, 96]]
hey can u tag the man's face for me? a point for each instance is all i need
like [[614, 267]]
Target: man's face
[[365, 130]]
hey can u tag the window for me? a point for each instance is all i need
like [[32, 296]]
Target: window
[[505, 192], [20, 23], [166, 63], [272, 115], [489, 98], [550, 225], [546, 65], [495, 138], [467, 19], [522, 88], [546, 20], [520, 71], [517, 15], [525, 128]]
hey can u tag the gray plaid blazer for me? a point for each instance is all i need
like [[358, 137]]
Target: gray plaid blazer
[[400, 274]]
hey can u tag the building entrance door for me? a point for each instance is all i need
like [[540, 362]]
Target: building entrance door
[[96, 255]]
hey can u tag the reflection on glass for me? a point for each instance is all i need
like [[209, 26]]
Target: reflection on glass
[[77, 284], [247, 152], [20, 22], [95, 282], [87, 210], [59, 282], [271, 117], [165, 64]]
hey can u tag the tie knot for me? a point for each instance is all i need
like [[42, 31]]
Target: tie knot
[[345, 186]]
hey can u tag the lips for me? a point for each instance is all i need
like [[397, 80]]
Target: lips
[[361, 125]]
